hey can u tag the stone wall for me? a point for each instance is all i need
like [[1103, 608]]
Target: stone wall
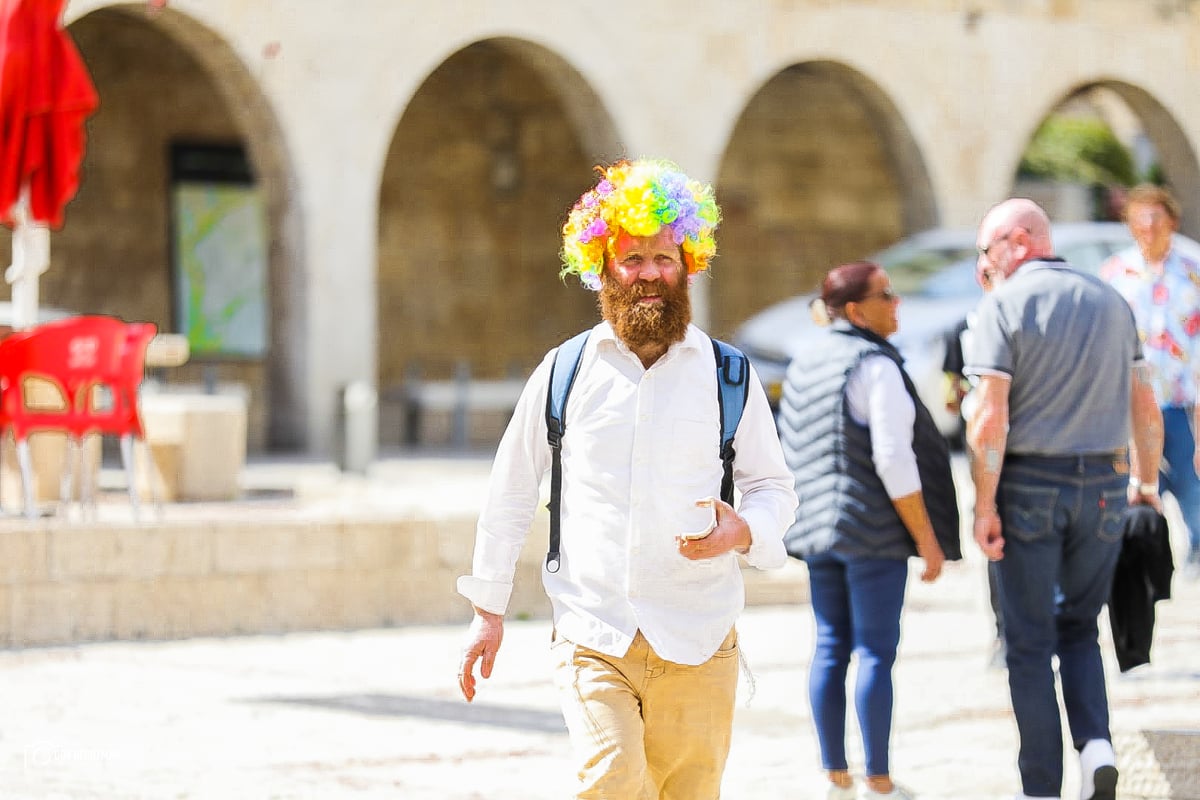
[[63, 583], [807, 114]]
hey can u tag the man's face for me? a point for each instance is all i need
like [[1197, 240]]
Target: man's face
[[1151, 227], [996, 258], [644, 292]]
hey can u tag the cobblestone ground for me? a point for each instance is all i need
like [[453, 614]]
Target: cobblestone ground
[[375, 714]]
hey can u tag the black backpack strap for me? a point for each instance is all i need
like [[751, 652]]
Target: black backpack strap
[[733, 388], [562, 378]]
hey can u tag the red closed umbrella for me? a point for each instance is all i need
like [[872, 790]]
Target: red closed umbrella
[[45, 95]]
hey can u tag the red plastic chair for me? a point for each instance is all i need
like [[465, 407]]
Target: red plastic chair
[[127, 419], [92, 361]]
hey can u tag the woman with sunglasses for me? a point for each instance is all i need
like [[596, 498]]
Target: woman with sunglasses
[[873, 476]]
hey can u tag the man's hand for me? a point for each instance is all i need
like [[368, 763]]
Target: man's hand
[[483, 642], [1137, 498], [988, 535], [731, 533]]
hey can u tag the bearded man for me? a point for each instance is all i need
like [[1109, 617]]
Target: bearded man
[[644, 643]]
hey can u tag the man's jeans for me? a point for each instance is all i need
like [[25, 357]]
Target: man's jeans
[[1178, 474], [1062, 520]]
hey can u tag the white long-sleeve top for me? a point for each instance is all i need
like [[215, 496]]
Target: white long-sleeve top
[[876, 397], [641, 446]]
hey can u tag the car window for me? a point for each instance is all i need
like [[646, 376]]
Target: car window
[[911, 267], [957, 280]]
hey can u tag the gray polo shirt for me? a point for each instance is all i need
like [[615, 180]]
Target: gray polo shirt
[[1068, 341]]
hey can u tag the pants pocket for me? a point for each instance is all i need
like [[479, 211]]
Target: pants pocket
[[1027, 511], [1112, 518], [729, 647]]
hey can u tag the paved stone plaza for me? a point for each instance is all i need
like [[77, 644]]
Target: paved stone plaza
[[376, 714]]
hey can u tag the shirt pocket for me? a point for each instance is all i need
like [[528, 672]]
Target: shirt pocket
[[1028, 511], [694, 440]]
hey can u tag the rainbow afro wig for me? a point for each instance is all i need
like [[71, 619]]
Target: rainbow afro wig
[[639, 197]]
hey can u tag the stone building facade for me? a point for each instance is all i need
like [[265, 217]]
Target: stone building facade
[[416, 159]]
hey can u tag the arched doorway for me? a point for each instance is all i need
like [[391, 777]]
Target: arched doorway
[[1157, 149], [820, 168], [486, 160]]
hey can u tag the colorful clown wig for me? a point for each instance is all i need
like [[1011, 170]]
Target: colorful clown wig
[[639, 197]]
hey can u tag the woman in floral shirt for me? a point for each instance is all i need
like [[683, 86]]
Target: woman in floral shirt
[[1163, 289]]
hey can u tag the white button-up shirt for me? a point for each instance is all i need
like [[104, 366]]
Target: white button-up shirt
[[641, 446]]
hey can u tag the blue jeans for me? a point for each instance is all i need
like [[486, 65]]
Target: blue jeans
[[856, 602], [1062, 520], [1178, 475]]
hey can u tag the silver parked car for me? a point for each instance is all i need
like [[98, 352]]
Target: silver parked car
[[934, 273]]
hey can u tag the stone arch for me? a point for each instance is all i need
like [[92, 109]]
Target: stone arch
[[489, 154], [820, 168], [1176, 155], [166, 78]]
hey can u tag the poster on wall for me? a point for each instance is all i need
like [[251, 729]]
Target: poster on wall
[[219, 252]]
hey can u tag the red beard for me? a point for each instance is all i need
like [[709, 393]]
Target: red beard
[[640, 324]]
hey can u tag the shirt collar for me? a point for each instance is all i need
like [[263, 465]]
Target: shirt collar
[[1173, 261], [694, 339], [1036, 264]]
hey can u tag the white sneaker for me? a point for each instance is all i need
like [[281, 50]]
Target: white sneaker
[[836, 792], [898, 792], [1098, 771]]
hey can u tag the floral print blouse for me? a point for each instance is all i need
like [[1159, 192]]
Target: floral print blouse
[[1166, 305]]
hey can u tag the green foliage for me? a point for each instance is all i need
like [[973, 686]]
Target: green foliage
[[1078, 149]]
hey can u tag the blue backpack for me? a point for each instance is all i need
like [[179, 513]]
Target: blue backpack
[[732, 390]]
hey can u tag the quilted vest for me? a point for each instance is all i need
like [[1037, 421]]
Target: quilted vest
[[844, 507]]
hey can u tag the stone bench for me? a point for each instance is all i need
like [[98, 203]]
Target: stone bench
[[197, 443], [459, 400]]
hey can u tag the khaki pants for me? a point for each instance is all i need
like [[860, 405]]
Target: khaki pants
[[643, 728]]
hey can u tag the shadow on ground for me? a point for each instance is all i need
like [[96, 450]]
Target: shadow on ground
[[395, 705]]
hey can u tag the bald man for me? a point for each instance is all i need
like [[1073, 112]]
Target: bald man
[[1066, 411]]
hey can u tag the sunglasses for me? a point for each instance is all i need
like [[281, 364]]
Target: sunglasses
[[888, 294], [986, 249]]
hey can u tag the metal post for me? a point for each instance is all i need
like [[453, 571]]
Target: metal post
[[356, 414], [462, 389], [412, 404]]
